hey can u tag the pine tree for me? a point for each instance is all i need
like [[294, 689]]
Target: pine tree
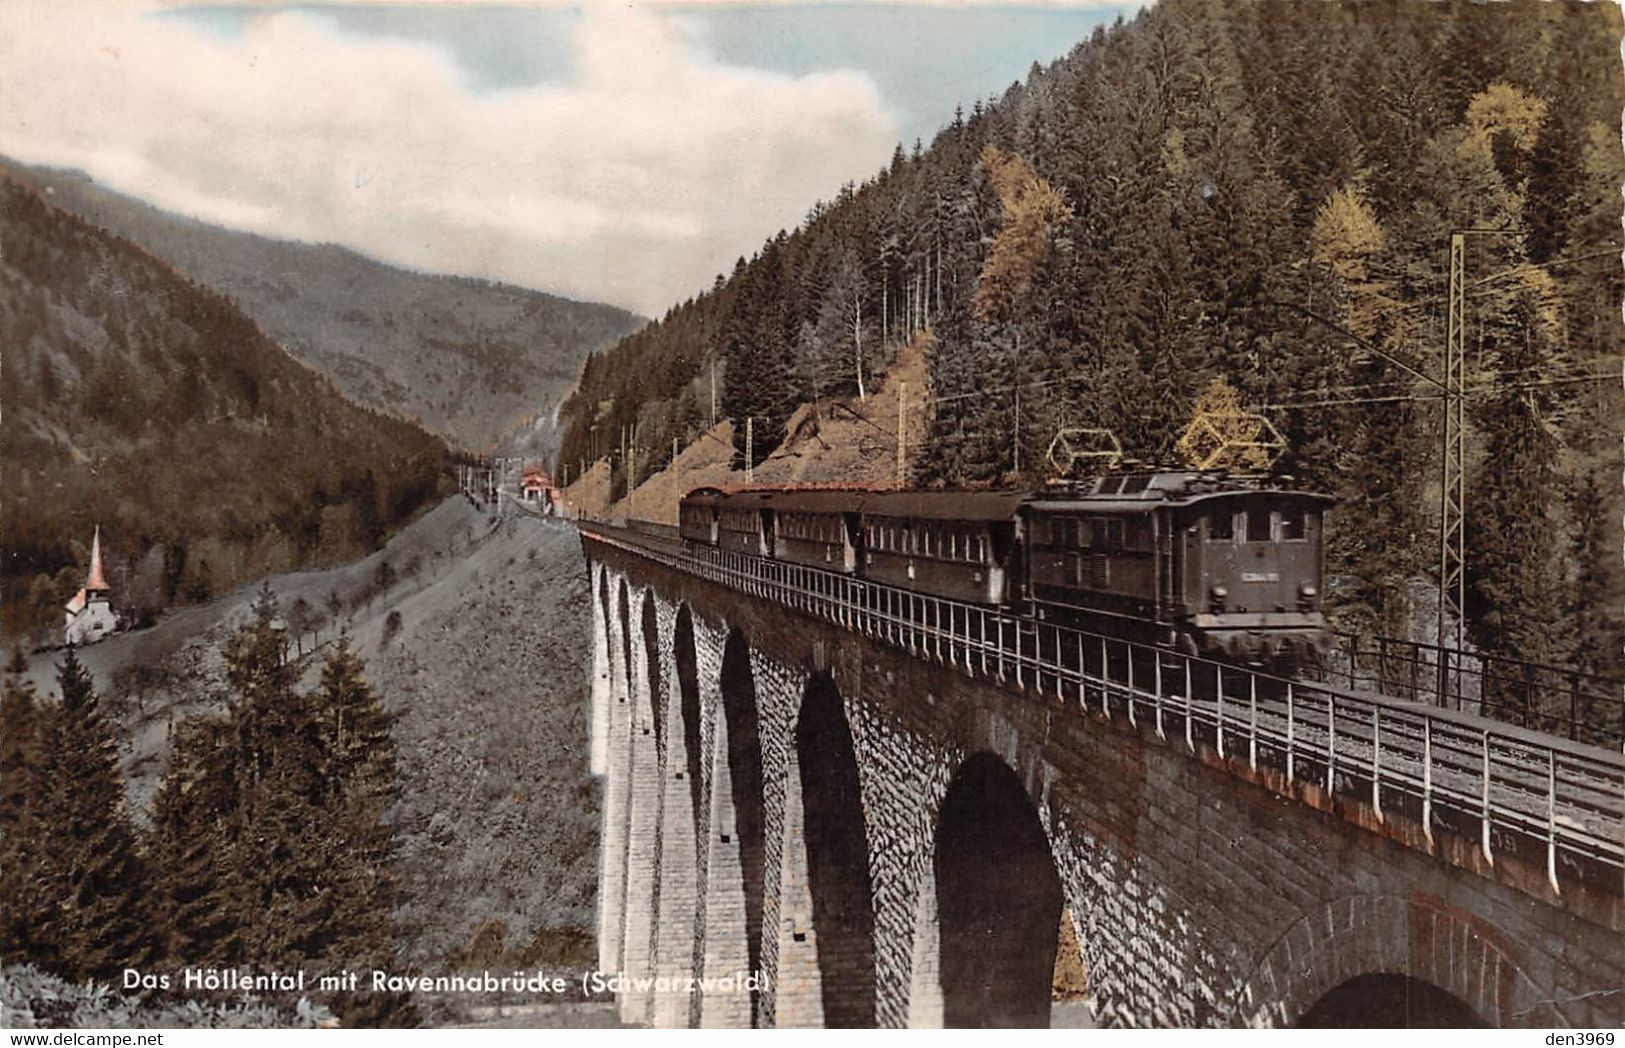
[[195, 828], [361, 786], [1514, 591], [21, 755], [272, 818], [87, 869]]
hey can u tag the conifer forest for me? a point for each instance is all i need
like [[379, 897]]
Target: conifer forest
[[266, 846], [1259, 193]]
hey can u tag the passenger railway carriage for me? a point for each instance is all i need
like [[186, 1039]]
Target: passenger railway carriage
[[948, 544], [1204, 562]]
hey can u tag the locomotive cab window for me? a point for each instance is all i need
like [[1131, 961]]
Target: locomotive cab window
[[1221, 527], [1293, 525], [1258, 525]]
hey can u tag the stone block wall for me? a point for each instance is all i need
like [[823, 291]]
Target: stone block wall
[[1203, 895]]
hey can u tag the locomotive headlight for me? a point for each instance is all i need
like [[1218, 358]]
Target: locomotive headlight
[[1219, 595], [1306, 596]]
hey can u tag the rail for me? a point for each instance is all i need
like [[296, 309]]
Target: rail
[[1580, 706], [1491, 781]]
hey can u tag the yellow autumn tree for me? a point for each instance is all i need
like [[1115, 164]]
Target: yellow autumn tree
[[1222, 435], [1032, 207], [1346, 233], [1503, 109], [1346, 237]]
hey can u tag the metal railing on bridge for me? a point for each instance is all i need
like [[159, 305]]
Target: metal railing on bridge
[[1491, 781], [1579, 706]]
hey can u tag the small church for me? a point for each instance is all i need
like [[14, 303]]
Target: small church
[[90, 612]]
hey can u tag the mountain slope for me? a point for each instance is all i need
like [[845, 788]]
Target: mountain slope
[[468, 359], [1226, 189], [139, 401]]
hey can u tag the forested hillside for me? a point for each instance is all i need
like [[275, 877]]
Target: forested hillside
[[1259, 192], [468, 359], [139, 401]]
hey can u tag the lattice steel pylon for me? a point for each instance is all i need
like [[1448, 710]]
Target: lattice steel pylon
[[1453, 478]]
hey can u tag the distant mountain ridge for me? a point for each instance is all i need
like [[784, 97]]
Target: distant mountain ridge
[[470, 360], [148, 405]]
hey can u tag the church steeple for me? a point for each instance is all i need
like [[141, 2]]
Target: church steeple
[[97, 582]]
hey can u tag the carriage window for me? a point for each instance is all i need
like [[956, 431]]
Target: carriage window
[[1221, 527], [976, 548], [1136, 483], [1258, 525], [1292, 524], [1114, 534]]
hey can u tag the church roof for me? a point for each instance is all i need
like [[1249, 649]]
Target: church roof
[[97, 579], [77, 604]]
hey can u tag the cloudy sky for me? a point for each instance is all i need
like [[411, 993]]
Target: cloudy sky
[[607, 151]]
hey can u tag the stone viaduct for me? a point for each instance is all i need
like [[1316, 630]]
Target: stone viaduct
[[889, 842]]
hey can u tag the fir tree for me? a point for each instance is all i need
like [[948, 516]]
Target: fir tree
[[87, 869], [362, 785], [197, 889], [20, 760]]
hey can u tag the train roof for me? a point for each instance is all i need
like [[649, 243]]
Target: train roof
[[1121, 493], [804, 500], [924, 505], [1143, 492], [944, 505]]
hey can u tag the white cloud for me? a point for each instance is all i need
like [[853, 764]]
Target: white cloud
[[634, 183], [688, 4]]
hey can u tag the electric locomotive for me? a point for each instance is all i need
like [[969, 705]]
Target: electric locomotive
[[1207, 563]]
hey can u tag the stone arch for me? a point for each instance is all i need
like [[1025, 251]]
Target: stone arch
[[686, 656], [1420, 940], [650, 628], [645, 796], [745, 789], [998, 900], [617, 781], [626, 632], [598, 594], [603, 602], [837, 852], [1388, 999]]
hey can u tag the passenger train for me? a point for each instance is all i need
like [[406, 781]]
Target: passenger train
[[1206, 563]]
